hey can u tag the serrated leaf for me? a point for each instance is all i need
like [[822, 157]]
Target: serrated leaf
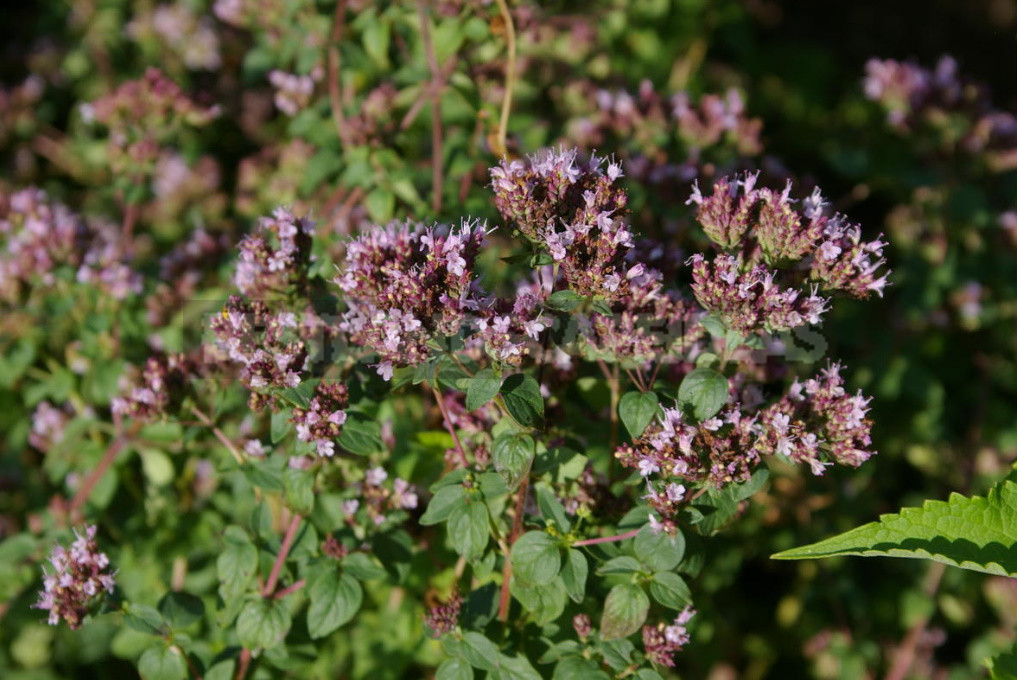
[[705, 390], [482, 388], [637, 410], [360, 435], [670, 590], [469, 530], [298, 490], [181, 609], [536, 558], [144, 619], [620, 565], [659, 550], [515, 668], [551, 508], [162, 663], [574, 573], [578, 668], [512, 455], [1003, 666], [624, 611], [523, 399], [236, 563], [564, 300], [545, 602], [280, 425], [263, 623], [454, 669], [443, 503], [976, 533], [480, 652], [335, 599]]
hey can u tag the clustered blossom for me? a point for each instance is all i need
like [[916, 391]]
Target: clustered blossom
[[293, 92], [321, 422], [650, 120], [778, 249], [264, 343], [662, 641], [720, 450], [48, 423], [191, 37], [159, 391], [818, 422], [573, 209], [274, 258], [41, 236], [941, 98], [404, 285], [647, 322], [80, 574], [752, 300], [444, 618], [506, 328], [376, 498], [141, 114]]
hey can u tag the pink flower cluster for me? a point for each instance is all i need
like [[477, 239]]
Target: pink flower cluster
[[40, 236], [79, 576], [817, 421], [321, 423], [444, 618], [406, 284], [375, 497], [573, 210], [293, 92], [662, 641], [162, 386], [775, 249], [265, 344], [48, 423], [273, 260], [941, 98]]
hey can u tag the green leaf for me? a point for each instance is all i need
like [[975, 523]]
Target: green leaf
[[181, 609], [705, 390], [620, 565], [480, 652], [545, 602], [362, 567], [482, 388], [523, 399], [564, 300], [162, 663], [454, 669], [281, 425], [515, 668], [720, 506], [236, 563], [551, 508], [1003, 666], [360, 435], [469, 530], [380, 204], [263, 623], [300, 395], [670, 590], [637, 410], [298, 490], [513, 455], [144, 619], [976, 533], [536, 558], [574, 573], [624, 611], [578, 668], [659, 551], [446, 500], [335, 598]]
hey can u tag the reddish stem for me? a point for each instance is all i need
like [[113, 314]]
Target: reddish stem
[[448, 426], [607, 539], [288, 590], [505, 597], [284, 550]]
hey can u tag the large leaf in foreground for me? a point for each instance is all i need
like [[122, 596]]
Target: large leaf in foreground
[[978, 533]]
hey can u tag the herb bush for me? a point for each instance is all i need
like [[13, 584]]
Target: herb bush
[[505, 340]]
